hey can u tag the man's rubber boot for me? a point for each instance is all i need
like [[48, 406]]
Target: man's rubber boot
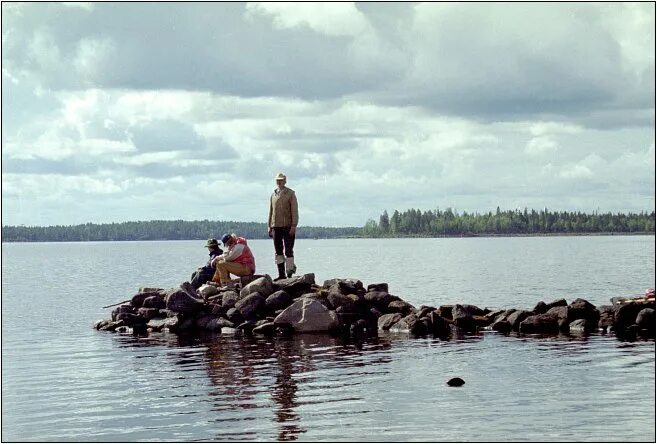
[[291, 268], [281, 271]]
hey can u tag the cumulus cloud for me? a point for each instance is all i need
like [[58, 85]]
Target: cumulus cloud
[[365, 106]]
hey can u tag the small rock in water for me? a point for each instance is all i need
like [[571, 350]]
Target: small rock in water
[[455, 382]]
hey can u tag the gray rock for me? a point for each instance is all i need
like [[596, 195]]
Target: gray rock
[[386, 321], [203, 321], [124, 329], [101, 323], [148, 313], [440, 326], [251, 305], [234, 316], [308, 315], [378, 287], [580, 326], [405, 324], [583, 309], [542, 323], [540, 308], [296, 286], [645, 320], [228, 331], [606, 320], [218, 323], [338, 300], [402, 307], [502, 326], [125, 308], [455, 382], [346, 286], [206, 290], [129, 318], [380, 299], [266, 329], [556, 303], [156, 301], [517, 317], [463, 318], [158, 324], [278, 300], [111, 326], [263, 285], [181, 302], [229, 298]]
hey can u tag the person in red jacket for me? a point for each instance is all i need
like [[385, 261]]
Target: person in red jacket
[[237, 260]]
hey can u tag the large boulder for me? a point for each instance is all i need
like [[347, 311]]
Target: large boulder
[[308, 315], [229, 298], [337, 299], [516, 317], [542, 323], [156, 301], [626, 314], [581, 326], [463, 318], [556, 303], [296, 286], [400, 306], [278, 300], [380, 299], [125, 308], [386, 321], [158, 324], [346, 285], [378, 287], [206, 290], [263, 285], [583, 309], [251, 306], [562, 314], [606, 320], [502, 326], [405, 324], [441, 327], [645, 320], [148, 313], [129, 318], [540, 307], [181, 301], [138, 299]]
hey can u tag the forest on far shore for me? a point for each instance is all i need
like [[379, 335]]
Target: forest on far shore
[[410, 222], [511, 222]]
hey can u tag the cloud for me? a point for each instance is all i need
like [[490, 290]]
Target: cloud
[[365, 106], [332, 19]]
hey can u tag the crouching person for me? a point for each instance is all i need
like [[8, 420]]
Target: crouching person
[[237, 260], [205, 273]]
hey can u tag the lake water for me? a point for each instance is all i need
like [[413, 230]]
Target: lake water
[[64, 381]]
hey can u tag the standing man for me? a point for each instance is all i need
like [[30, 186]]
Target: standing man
[[283, 220]]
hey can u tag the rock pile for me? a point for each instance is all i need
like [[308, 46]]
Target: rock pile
[[258, 305]]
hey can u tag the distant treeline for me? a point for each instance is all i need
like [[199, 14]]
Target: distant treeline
[[449, 223], [158, 230]]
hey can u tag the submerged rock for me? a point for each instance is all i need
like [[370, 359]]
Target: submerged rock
[[455, 382]]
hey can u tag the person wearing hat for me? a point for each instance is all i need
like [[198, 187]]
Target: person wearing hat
[[282, 222], [205, 273], [237, 260]]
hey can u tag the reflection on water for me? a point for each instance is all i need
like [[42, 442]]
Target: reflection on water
[[243, 369]]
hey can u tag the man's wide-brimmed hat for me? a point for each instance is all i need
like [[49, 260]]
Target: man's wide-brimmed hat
[[212, 243], [281, 176]]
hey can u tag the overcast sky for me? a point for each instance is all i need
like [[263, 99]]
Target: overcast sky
[[136, 111]]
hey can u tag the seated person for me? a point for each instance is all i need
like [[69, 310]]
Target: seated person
[[205, 273], [237, 260]]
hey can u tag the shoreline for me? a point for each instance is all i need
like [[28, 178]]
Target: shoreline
[[409, 236]]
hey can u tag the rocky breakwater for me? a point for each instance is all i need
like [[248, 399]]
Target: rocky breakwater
[[345, 307]]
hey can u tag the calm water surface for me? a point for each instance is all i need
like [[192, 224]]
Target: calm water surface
[[64, 381]]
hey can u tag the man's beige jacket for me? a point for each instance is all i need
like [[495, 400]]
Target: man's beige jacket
[[283, 208]]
